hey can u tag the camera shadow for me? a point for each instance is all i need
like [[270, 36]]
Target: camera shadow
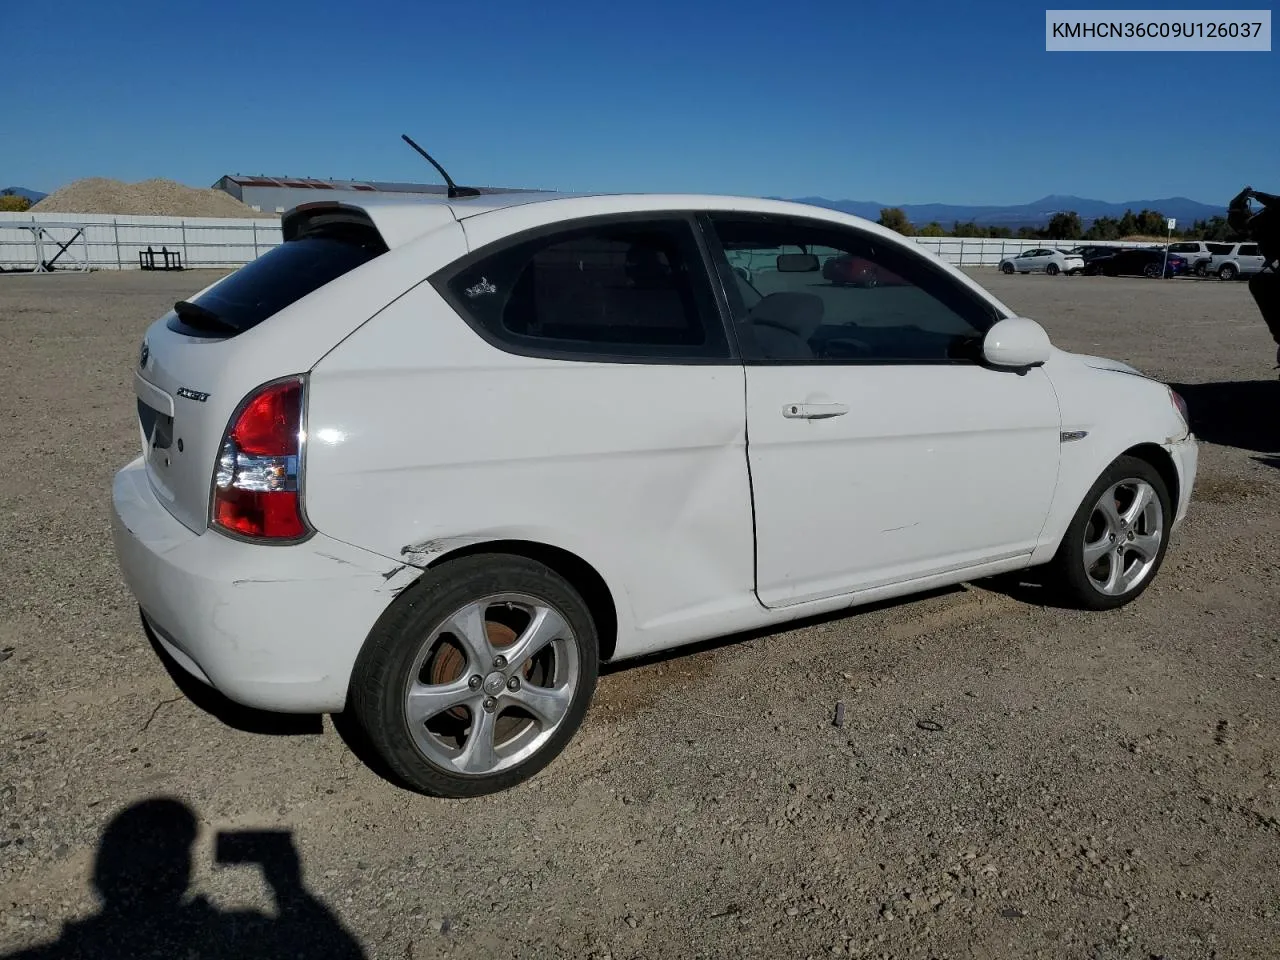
[[142, 874]]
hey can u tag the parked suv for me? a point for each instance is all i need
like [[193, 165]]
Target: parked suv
[[433, 462], [1239, 260], [1198, 253]]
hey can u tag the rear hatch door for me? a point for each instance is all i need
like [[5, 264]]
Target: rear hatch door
[[198, 361]]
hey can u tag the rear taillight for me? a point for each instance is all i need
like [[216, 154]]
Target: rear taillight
[[256, 487]]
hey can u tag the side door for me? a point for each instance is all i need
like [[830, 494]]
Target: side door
[[1029, 260], [881, 450]]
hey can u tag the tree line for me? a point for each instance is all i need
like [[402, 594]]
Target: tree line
[[1066, 226], [11, 202]]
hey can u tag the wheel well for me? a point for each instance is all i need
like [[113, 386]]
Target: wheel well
[[580, 574], [1159, 458]]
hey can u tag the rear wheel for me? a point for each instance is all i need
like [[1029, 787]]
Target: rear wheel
[[1227, 272], [1052, 270], [1202, 270], [478, 676], [1116, 542], [1152, 271]]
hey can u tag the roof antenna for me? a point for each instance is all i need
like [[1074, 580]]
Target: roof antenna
[[455, 191]]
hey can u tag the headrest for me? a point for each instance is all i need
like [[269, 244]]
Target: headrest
[[798, 313]]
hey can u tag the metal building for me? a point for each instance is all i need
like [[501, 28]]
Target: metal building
[[278, 194]]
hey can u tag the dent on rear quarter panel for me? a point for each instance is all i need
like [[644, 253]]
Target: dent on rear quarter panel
[[639, 470]]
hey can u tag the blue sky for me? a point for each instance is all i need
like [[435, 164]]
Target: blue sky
[[898, 102]]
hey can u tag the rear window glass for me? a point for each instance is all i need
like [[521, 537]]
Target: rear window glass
[[278, 278]]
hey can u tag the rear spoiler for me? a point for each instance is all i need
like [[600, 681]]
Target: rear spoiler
[[396, 223]]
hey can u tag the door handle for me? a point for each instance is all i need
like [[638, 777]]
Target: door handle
[[814, 411]]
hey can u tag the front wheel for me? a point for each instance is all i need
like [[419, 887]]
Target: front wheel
[[477, 676], [1117, 540], [1052, 270], [1007, 268]]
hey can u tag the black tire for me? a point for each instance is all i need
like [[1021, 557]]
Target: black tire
[[1201, 270], [383, 670], [1067, 575], [1151, 271], [1052, 270], [1007, 268], [1227, 272]]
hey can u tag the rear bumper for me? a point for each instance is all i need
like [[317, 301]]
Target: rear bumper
[[276, 628]]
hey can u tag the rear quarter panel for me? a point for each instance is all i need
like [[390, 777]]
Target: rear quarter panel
[[424, 438]]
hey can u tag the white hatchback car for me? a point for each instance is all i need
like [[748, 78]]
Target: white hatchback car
[[433, 462]]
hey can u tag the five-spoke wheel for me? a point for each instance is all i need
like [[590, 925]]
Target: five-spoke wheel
[[1117, 539], [478, 676]]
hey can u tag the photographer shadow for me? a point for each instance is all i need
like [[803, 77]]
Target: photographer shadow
[[142, 873]]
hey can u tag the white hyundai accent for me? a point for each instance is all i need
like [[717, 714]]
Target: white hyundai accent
[[434, 462]]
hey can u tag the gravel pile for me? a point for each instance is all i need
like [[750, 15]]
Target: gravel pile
[[158, 198]]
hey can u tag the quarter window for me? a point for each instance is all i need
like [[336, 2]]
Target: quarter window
[[803, 290], [601, 291]]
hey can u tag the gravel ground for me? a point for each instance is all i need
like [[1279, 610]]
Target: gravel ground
[[1011, 779]]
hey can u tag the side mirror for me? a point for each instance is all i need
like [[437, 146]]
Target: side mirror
[[1016, 343], [798, 263]]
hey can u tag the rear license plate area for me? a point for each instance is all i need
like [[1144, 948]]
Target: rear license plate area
[[157, 434]]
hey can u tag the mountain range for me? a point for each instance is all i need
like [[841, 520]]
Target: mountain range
[[35, 196], [1034, 214]]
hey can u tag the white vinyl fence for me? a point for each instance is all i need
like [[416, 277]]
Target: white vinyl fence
[[98, 241], [988, 252], [109, 242]]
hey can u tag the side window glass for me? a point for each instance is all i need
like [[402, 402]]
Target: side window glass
[[1249, 250], [823, 293], [621, 289]]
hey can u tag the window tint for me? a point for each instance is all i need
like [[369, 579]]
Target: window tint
[[1219, 248], [848, 297], [1184, 247], [1249, 250], [609, 289], [278, 278]]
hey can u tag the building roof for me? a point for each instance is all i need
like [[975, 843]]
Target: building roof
[[362, 186]]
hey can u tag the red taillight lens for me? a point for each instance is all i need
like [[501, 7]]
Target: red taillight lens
[[268, 425], [255, 489]]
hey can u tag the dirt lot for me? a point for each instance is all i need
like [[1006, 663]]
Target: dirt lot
[[1082, 786]]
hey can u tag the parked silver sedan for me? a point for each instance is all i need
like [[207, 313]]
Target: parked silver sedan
[[1043, 259]]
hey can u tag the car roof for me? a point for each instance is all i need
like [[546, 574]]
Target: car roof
[[401, 218]]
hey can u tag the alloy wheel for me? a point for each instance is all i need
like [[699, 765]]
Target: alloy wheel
[[492, 683], [1123, 536]]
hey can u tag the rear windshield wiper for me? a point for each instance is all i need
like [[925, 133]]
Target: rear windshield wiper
[[202, 318]]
